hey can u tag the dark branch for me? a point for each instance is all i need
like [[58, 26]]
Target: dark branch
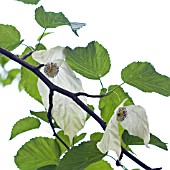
[[71, 95], [49, 115]]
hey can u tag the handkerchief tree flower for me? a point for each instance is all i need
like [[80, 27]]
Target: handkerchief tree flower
[[132, 118], [50, 76], [67, 114]]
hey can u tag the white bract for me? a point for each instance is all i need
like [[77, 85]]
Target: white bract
[[133, 118], [67, 114]]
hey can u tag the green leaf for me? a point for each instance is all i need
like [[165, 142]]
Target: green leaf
[[134, 140], [143, 76], [42, 115], [33, 2], [100, 165], [66, 140], [79, 138], [29, 79], [80, 157], [44, 34], [3, 60], [96, 136], [38, 152], [108, 104], [50, 19], [92, 108], [10, 37], [92, 61], [40, 47], [11, 76], [48, 167], [24, 125]]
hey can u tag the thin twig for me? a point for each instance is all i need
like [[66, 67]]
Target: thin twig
[[27, 55], [49, 115], [71, 95], [98, 96]]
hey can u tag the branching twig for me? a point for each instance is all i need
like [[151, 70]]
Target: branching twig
[[27, 55], [71, 95]]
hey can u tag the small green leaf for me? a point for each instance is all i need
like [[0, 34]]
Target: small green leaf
[[3, 60], [38, 152], [24, 125], [45, 34], [42, 115], [143, 76], [79, 138], [100, 165], [92, 108], [29, 79], [80, 157], [33, 2], [96, 136], [50, 19], [92, 61], [48, 167], [134, 140], [40, 47], [66, 140], [10, 37], [109, 103], [11, 76]]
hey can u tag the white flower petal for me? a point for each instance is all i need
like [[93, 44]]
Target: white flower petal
[[136, 122], [67, 79], [111, 138], [68, 115], [54, 55]]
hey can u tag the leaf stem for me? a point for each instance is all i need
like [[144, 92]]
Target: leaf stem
[[40, 39], [101, 83]]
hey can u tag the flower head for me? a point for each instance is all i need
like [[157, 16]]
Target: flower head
[[133, 118], [67, 114]]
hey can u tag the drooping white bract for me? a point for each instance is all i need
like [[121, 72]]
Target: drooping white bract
[[67, 114], [132, 118]]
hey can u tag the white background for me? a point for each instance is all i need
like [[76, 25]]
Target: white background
[[131, 30]]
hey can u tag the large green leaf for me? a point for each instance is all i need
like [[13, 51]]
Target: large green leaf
[[48, 167], [29, 79], [50, 19], [80, 157], [34, 2], [109, 103], [92, 61], [53, 20], [143, 76], [24, 125], [100, 165], [134, 140], [9, 37], [11, 76], [38, 152]]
